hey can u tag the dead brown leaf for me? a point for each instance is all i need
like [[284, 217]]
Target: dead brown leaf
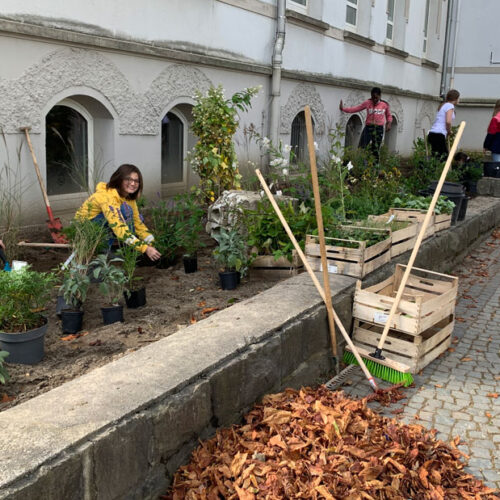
[[208, 310], [467, 358], [6, 398]]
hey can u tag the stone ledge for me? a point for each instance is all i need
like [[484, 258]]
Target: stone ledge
[[307, 21], [430, 64], [389, 49], [148, 409], [349, 36]]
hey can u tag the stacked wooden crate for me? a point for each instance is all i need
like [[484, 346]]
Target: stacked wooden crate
[[349, 256], [267, 267], [422, 327], [402, 239]]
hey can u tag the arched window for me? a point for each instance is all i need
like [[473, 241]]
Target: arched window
[[172, 149], [353, 130], [66, 146], [390, 139], [298, 139]]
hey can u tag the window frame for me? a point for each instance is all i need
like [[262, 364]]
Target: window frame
[[298, 6], [353, 4], [70, 103], [425, 44], [185, 128], [390, 22]]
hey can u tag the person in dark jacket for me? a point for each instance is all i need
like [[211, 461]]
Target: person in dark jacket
[[492, 141]]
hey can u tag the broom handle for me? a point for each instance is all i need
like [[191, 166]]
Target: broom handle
[[315, 280], [420, 237], [321, 230]]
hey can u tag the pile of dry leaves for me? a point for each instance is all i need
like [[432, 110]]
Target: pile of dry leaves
[[316, 444]]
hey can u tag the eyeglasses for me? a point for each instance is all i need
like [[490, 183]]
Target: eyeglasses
[[131, 180]]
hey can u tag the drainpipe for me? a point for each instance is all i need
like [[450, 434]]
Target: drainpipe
[[277, 61], [446, 51], [453, 64]]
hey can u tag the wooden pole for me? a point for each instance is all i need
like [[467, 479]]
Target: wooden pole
[[314, 279], [321, 234]]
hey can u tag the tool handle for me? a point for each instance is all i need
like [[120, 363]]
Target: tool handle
[[321, 230], [314, 279], [37, 170], [420, 237]]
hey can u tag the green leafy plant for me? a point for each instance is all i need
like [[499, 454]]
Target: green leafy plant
[[24, 294], [129, 255], [231, 253], [215, 120], [112, 279], [86, 238], [189, 223], [164, 227], [75, 285], [265, 231], [351, 236], [4, 374], [443, 205]]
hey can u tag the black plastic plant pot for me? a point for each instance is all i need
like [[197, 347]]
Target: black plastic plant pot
[[25, 348], [113, 314], [62, 305], [190, 264], [71, 321], [228, 280], [491, 168], [166, 262], [137, 298], [448, 188]]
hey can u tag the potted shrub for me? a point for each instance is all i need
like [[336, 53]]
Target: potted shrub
[[135, 295], [74, 288], [86, 238], [231, 255], [165, 231], [189, 226], [112, 282], [24, 295]]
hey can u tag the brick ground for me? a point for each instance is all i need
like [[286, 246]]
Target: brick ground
[[451, 393]]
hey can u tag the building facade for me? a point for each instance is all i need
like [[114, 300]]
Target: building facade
[[105, 83]]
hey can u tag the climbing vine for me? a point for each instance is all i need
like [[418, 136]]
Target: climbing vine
[[215, 120]]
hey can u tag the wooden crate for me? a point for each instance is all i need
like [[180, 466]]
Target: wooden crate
[[414, 351], [428, 298], [442, 221], [266, 266], [357, 262], [417, 216], [402, 240]]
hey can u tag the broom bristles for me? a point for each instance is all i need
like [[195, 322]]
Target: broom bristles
[[380, 371]]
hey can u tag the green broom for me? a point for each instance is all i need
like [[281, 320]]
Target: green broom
[[378, 365]]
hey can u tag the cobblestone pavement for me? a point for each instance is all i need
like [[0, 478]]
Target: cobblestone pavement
[[457, 394]]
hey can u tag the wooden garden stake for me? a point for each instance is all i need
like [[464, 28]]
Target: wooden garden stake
[[321, 234], [283, 221]]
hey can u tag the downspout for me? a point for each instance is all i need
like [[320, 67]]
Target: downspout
[[444, 74], [277, 61], [453, 64]]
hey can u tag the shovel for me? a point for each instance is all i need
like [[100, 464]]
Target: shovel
[[54, 224]]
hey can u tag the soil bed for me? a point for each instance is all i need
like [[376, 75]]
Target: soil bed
[[174, 301]]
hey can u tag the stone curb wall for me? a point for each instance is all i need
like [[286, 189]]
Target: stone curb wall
[[120, 431]]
